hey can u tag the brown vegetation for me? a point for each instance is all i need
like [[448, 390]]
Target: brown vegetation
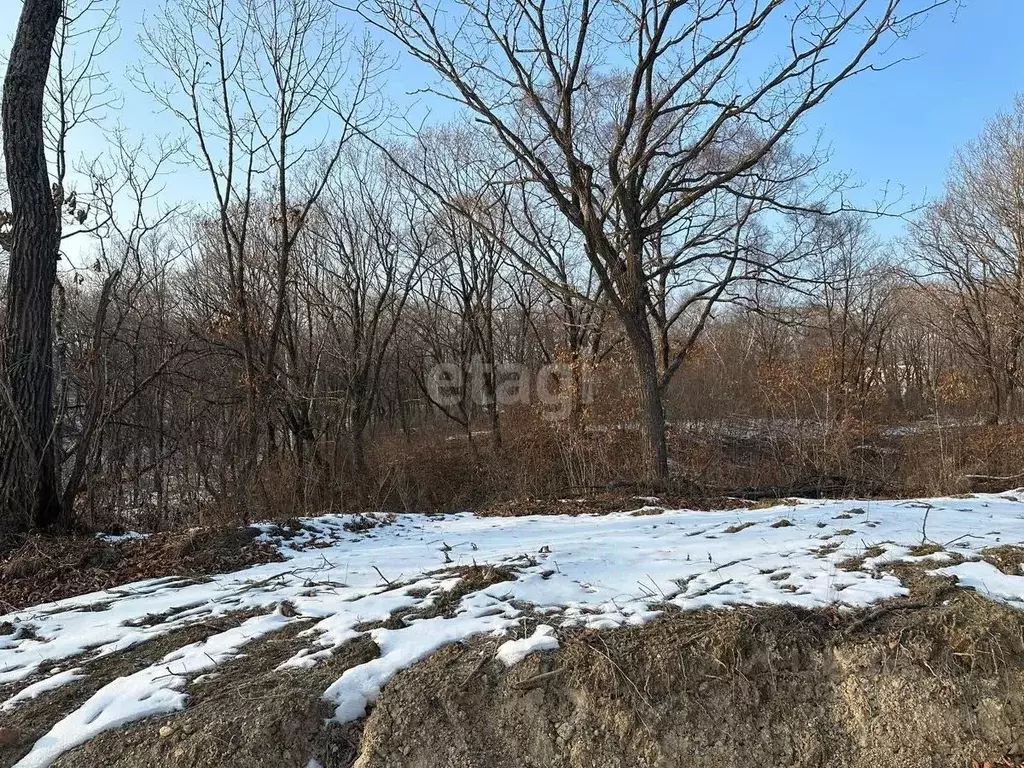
[[46, 568]]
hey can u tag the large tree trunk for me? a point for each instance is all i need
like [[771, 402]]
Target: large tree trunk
[[650, 407], [29, 493]]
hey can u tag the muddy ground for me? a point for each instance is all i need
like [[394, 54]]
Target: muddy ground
[[934, 679]]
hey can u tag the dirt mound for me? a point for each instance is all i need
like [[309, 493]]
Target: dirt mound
[[934, 679], [31, 720], [47, 568], [906, 686]]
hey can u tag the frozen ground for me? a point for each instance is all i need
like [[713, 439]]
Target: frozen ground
[[597, 571]]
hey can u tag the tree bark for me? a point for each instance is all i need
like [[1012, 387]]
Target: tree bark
[[650, 405], [29, 493]]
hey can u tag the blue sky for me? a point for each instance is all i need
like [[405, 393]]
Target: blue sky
[[900, 126], [906, 123]]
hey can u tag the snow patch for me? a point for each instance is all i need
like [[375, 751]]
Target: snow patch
[[360, 686], [514, 651], [51, 683], [155, 690], [590, 571], [989, 581]]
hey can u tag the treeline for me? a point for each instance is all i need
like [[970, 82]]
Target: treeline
[[409, 360], [593, 274]]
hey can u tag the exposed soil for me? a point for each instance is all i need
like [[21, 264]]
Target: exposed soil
[[1008, 559], [29, 721], [934, 679], [248, 714], [45, 568], [472, 578], [931, 681]]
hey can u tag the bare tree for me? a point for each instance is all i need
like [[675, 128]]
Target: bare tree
[[371, 238], [852, 296], [78, 90], [126, 184], [970, 248], [260, 86], [642, 124]]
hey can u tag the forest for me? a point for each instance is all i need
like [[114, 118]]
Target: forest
[[605, 268]]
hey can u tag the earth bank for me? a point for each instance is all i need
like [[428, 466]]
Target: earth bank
[[934, 679]]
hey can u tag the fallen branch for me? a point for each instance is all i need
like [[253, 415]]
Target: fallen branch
[[476, 669], [387, 581], [878, 613], [993, 477], [708, 590]]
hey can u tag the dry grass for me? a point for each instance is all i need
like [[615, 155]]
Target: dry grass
[[921, 550], [471, 579], [33, 718], [1008, 559], [957, 635], [856, 563]]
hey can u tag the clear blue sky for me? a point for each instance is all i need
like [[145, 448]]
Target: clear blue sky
[[906, 123], [901, 126]]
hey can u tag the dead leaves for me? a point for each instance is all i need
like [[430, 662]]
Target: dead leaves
[[46, 568]]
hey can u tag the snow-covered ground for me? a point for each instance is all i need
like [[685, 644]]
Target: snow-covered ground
[[597, 571]]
